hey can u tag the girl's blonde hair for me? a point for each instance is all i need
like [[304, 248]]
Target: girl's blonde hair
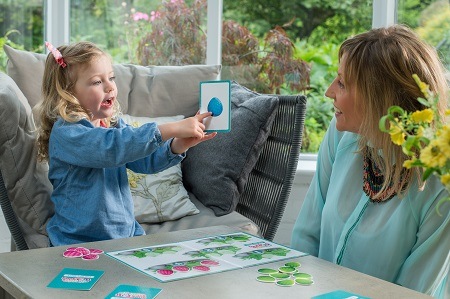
[[58, 87], [379, 65]]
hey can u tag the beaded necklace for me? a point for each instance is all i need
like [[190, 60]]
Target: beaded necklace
[[373, 181]]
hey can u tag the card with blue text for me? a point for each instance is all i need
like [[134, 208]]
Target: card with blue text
[[130, 291], [76, 279], [339, 294]]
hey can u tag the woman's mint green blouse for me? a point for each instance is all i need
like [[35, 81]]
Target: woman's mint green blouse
[[403, 240]]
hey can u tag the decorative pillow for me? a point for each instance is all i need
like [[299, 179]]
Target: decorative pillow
[[160, 196], [216, 171], [25, 179], [151, 91]]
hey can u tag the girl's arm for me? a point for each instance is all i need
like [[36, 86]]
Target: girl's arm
[[159, 160], [81, 144], [185, 128], [186, 133]]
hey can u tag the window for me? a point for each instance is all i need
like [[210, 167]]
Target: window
[[143, 32], [269, 65], [256, 46], [21, 24], [431, 20]]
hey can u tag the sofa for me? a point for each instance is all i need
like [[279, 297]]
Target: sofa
[[232, 180]]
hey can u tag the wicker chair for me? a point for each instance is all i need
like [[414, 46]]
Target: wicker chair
[[269, 184], [11, 219]]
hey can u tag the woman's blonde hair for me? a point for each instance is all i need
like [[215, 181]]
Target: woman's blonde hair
[[58, 87], [379, 66]]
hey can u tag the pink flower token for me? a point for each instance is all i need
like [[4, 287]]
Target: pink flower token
[[86, 254], [181, 268], [72, 254], [201, 268], [90, 257], [95, 251], [164, 272], [84, 251], [209, 263]]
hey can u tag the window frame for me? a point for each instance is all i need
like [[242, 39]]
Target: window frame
[[57, 23]]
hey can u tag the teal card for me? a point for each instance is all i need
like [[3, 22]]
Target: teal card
[[130, 291], [76, 279], [339, 294]]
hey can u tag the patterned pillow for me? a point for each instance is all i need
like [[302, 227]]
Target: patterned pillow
[[161, 196]]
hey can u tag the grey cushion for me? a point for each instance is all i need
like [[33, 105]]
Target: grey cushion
[[25, 179], [26, 69], [216, 171], [151, 91], [156, 91]]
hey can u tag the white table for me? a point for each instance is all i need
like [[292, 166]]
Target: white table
[[26, 274]]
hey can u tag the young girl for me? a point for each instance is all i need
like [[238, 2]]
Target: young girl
[[89, 147]]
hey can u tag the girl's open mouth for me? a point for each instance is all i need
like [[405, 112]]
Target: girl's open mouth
[[107, 103]]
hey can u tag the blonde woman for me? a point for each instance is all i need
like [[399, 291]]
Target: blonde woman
[[364, 210]]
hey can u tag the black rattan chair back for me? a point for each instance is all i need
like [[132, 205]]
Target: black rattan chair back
[[11, 218], [269, 184]]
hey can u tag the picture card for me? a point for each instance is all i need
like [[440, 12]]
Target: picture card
[[215, 97], [131, 291], [76, 279], [340, 294]]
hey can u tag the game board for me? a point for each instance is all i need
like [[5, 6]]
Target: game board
[[203, 256]]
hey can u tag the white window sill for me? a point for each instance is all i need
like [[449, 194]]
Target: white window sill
[[306, 164]]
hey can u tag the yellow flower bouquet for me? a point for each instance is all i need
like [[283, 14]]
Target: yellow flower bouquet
[[423, 136]]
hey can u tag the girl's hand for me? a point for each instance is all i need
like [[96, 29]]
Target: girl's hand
[[186, 133], [180, 145], [191, 127]]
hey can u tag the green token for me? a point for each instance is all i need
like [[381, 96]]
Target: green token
[[265, 278], [280, 275], [287, 270], [292, 264], [303, 281], [302, 275], [285, 283], [267, 271]]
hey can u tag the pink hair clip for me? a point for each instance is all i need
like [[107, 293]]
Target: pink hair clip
[[58, 56]]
